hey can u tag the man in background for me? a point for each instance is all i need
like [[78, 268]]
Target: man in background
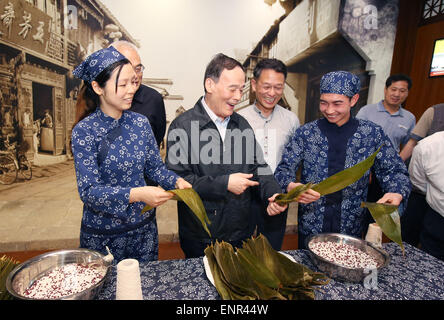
[[146, 101], [431, 121], [426, 173], [273, 126], [396, 121]]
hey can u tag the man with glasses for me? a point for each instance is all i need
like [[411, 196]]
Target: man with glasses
[[273, 125], [146, 101]]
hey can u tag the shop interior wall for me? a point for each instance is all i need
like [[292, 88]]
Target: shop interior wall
[[413, 53]]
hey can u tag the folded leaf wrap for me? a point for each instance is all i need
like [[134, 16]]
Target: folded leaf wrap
[[257, 271], [193, 201]]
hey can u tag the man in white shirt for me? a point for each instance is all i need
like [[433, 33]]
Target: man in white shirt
[[273, 125], [426, 171]]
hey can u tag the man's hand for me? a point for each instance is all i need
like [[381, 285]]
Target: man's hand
[[308, 196], [181, 183], [273, 208], [239, 182], [391, 198]]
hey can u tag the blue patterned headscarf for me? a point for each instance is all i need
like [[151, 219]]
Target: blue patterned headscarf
[[98, 61], [340, 82]]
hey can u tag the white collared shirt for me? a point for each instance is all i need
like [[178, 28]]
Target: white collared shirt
[[272, 133], [221, 124], [426, 170]]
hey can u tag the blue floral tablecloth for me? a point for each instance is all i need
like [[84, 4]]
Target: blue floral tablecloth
[[415, 276]]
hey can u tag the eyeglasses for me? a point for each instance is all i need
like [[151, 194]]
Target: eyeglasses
[[139, 68]]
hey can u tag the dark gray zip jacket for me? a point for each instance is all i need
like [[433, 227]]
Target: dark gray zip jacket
[[195, 151]]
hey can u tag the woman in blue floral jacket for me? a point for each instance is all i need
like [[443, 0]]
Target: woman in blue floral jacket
[[113, 149], [332, 144]]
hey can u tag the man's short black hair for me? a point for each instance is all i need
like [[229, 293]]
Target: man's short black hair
[[398, 77], [218, 64], [274, 64]]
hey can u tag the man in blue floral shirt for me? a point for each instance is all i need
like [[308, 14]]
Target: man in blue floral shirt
[[331, 144]]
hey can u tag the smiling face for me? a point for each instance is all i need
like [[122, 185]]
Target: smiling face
[[222, 96], [396, 93], [336, 107], [113, 102], [269, 88]]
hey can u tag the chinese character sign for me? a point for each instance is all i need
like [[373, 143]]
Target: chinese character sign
[[23, 24]]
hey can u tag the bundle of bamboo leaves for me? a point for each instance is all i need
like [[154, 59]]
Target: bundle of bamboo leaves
[[258, 272], [6, 266]]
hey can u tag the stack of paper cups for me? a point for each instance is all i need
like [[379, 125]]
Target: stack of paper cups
[[374, 234], [128, 280]]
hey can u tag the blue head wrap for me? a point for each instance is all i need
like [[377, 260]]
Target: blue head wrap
[[98, 61], [340, 82]]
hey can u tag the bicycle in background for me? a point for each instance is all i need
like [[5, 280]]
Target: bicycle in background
[[13, 162]]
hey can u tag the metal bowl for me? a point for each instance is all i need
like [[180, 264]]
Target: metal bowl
[[24, 275], [339, 272]]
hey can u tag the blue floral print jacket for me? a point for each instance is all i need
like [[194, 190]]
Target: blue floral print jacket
[[108, 166], [309, 148]]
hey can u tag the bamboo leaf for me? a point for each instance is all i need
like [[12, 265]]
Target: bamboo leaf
[[333, 183], [291, 274], [222, 287], [293, 195], [387, 217], [345, 177], [256, 270], [6, 266], [236, 277], [193, 201]]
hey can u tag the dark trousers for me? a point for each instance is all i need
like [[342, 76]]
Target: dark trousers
[[413, 217], [271, 227], [432, 234]]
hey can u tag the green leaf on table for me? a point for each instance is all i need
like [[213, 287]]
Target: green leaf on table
[[193, 201], [387, 218]]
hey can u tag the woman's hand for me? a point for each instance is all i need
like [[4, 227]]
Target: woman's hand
[[181, 183], [152, 196], [308, 196]]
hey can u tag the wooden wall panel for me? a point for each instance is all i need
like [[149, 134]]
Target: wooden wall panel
[[425, 91], [413, 53]]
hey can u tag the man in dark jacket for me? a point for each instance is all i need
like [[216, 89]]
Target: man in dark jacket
[[214, 149]]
